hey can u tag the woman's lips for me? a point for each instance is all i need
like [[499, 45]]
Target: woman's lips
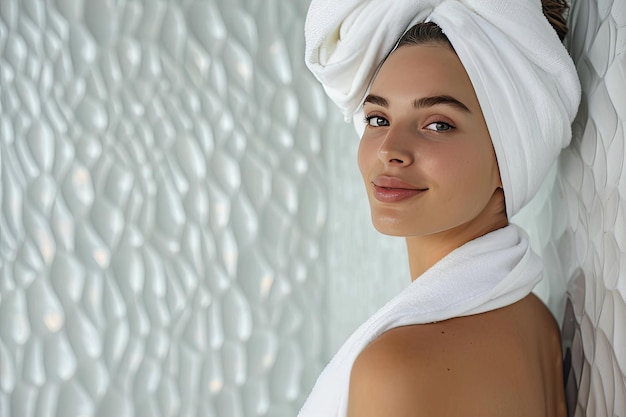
[[391, 189], [390, 195]]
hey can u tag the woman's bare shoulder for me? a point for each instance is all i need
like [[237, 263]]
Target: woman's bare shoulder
[[421, 370], [476, 365]]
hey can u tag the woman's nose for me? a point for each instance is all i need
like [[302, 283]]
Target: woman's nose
[[394, 150]]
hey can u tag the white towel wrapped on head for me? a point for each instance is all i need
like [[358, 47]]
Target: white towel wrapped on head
[[525, 81]]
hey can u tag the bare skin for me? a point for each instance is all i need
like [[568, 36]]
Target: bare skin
[[506, 362], [431, 176]]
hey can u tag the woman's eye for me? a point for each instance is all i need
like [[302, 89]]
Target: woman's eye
[[439, 127], [376, 121]]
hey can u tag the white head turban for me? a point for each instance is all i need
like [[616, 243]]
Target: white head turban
[[525, 80]]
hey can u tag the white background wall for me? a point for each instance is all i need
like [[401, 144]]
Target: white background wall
[[183, 229]]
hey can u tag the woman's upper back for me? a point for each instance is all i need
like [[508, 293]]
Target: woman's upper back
[[505, 362]]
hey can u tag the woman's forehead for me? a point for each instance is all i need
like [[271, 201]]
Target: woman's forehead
[[421, 71]]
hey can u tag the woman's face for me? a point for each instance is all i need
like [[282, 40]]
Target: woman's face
[[426, 156]]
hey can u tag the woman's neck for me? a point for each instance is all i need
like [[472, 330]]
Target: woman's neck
[[425, 251]]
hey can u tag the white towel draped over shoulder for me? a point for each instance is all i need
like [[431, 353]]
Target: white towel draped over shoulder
[[525, 81], [487, 273]]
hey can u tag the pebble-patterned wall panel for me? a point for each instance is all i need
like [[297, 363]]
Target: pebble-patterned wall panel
[[593, 180], [182, 220], [163, 208]]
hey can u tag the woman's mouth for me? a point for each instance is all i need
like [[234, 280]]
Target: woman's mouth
[[391, 195], [391, 189]]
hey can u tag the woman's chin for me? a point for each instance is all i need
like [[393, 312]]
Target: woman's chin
[[390, 227]]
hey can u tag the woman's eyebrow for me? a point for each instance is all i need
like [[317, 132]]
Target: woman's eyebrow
[[420, 103], [435, 100], [376, 100]]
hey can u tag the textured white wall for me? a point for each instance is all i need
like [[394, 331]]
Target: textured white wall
[[163, 209], [593, 181], [183, 229]]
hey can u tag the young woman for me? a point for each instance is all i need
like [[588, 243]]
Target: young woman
[[458, 130], [431, 175]]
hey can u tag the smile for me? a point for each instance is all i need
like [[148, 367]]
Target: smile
[[392, 195]]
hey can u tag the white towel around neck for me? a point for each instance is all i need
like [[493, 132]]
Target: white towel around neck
[[490, 272]]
